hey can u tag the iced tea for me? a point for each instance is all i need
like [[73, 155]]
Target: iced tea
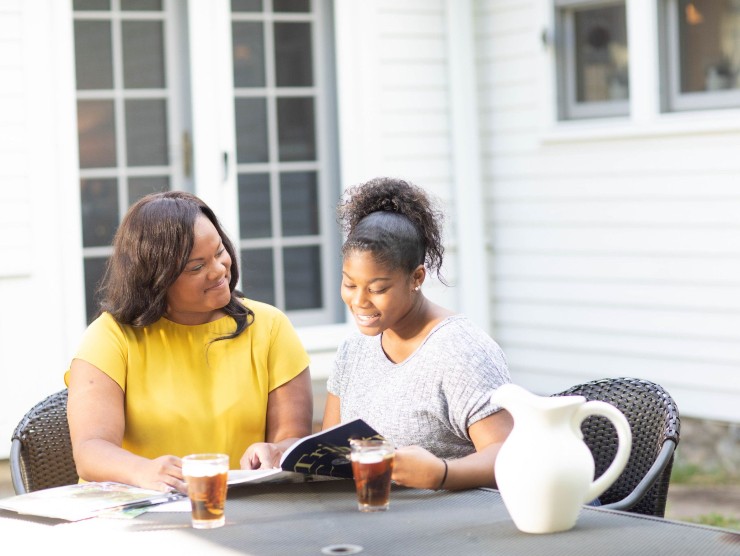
[[372, 466], [206, 476]]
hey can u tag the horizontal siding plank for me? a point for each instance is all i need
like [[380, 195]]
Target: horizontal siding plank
[[645, 296], [637, 240], [702, 184], [718, 325], [609, 213], [648, 269], [415, 145], [694, 374], [431, 49], [698, 350], [429, 121], [418, 100], [411, 24], [404, 74]]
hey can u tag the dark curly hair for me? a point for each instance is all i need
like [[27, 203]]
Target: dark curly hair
[[398, 222], [150, 250]]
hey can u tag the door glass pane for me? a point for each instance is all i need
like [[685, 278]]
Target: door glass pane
[[302, 278], [299, 210], [88, 5], [251, 130], [140, 187], [99, 198], [258, 277], [296, 135], [146, 132], [96, 130], [601, 54], [246, 5], [709, 45], [143, 54], [293, 64], [291, 5], [249, 54], [255, 218], [94, 270], [93, 55], [141, 5]]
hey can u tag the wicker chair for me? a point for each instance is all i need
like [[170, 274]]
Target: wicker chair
[[41, 450], [642, 487]]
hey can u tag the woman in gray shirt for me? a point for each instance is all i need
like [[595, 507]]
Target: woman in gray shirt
[[419, 374]]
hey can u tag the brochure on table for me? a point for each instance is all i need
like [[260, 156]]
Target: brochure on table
[[85, 500]]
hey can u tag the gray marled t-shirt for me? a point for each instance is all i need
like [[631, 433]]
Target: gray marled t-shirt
[[432, 397]]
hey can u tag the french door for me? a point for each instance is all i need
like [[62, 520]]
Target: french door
[[147, 95]]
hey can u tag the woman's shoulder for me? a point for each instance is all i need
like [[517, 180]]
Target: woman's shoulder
[[265, 315], [462, 331]]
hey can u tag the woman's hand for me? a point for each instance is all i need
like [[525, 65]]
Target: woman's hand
[[262, 455], [164, 474], [413, 466]]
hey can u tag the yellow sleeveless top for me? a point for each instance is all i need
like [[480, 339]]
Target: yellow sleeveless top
[[183, 395]]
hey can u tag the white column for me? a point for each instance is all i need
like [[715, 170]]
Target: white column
[[212, 86], [472, 276], [644, 68]]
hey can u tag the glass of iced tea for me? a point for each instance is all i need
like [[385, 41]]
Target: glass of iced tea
[[206, 476], [372, 465]]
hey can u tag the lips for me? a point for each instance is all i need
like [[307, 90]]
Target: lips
[[217, 286], [367, 319]]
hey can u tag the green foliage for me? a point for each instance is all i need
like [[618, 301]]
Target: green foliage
[[717, 520], [690, 474]]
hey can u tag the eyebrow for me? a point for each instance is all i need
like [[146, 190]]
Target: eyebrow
[[378, 279], [220, 244]]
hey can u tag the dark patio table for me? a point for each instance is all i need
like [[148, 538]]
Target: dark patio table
[[322, 518]]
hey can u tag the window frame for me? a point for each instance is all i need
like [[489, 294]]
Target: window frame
[[672, 99], [568, 108], [325, 164]]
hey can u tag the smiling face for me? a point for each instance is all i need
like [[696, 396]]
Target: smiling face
[[202, 290], [379, 299]]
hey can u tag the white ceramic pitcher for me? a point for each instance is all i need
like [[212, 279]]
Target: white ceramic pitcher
[[544, 470]]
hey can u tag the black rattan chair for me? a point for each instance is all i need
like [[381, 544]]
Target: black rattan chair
[[41, 449], [642, 487]]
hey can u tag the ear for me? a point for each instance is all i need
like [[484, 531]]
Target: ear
[[418, 275]]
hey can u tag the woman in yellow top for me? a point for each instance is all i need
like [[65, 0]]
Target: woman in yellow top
[[178, 361]]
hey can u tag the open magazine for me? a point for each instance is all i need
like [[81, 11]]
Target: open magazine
[[320, 456], [85, 500]]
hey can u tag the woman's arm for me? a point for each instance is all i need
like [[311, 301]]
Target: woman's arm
[[331, 412], [289, 418], [416, 467], [95, 411]]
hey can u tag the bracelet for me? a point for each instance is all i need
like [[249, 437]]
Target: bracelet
[[444, 477]]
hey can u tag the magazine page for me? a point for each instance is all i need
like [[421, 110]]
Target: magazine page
[[257, 476], [326, 453], [84, 500]]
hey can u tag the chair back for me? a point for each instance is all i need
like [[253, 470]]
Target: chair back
[[41, 449], [653, 418]]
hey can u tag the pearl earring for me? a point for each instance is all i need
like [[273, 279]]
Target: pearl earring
[[416, 289]]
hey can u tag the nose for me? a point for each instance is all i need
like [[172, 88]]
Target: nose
[[219, 268], [358, 298]]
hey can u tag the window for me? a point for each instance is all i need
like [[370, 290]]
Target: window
[[135, 113], [132, 117], [701, 50], [285, 174], [592, 59]]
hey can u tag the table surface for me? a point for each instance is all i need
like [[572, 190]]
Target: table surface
[[314, 518]]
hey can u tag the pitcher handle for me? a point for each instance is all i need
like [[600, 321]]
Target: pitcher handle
[[624, 435]]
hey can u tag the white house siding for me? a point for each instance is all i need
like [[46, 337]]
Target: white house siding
[[394, 101], [40, 262], [615, 247]]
